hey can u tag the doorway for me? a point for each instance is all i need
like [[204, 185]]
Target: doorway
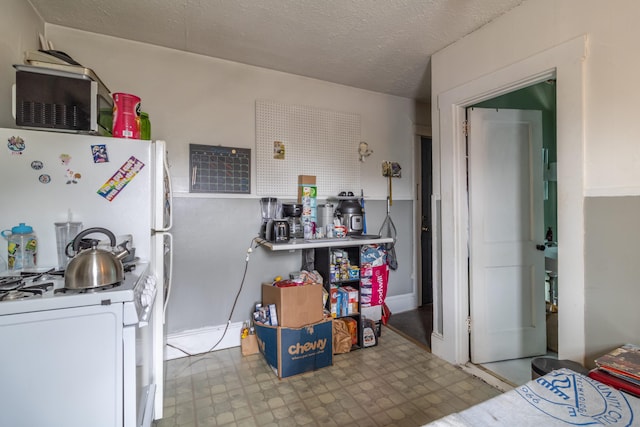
[[426, 233], [417, 324], [425, 308], [451, 300], [510, 357]]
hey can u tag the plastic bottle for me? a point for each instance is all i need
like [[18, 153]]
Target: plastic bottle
[[145, 126], [245, 330], [22, 247]]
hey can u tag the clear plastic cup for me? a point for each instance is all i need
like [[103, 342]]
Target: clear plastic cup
[[65, 233]]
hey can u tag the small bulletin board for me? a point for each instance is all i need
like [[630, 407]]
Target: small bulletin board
[[217, 169]]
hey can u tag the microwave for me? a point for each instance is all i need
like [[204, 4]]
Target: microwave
[[61, 98]]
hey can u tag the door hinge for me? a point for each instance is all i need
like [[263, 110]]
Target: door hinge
[[468, 321], [465, 128]]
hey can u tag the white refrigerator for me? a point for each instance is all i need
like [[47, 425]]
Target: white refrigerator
[[122, 185]]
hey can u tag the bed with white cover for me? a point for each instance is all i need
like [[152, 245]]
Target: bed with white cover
[[560, 398]]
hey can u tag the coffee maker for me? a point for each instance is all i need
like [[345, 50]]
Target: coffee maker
[[292, 212]]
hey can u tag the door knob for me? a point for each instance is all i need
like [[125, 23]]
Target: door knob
[[540, 247], [425, 228]]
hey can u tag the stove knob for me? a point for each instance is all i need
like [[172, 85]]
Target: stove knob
[[147, 296], [145, 299]]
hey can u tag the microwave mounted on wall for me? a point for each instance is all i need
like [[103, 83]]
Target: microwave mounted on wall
[[64, 98]]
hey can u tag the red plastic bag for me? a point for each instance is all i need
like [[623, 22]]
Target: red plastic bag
[[379, 282], [386, 314]]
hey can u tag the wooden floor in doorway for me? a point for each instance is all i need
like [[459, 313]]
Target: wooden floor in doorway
[[415, 325]]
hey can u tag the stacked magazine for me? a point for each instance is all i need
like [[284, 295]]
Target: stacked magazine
[[620, 369]]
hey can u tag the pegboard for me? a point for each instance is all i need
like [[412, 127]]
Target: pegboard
[[217, 169], [294, 140]]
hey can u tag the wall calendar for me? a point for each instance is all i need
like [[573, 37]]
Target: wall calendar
[[217, 169]]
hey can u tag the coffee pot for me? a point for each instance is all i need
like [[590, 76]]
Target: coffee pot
[[293, 212]]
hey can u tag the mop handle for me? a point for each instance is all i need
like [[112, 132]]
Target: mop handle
[[364, 217]]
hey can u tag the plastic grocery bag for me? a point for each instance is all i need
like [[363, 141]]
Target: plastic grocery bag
[[374, 275], [379, 282]]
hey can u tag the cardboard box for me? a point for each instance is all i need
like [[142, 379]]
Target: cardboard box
[[296, 306], [292, 351], [333, 300], [306, 187], [307, 196], [351, 299]]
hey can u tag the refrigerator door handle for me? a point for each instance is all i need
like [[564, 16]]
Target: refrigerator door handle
[[165, 165], [170, 278], [167, 195]]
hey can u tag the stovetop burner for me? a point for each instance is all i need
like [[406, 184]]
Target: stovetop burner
[[26, 291], [29, 285], [85, 291]]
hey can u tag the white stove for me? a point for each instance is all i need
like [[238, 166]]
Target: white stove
[[89, 352], [44, 290]]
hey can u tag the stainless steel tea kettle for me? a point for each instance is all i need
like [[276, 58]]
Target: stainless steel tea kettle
[[94, 268]]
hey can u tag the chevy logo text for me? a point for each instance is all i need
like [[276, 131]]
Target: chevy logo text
[[308, 346]]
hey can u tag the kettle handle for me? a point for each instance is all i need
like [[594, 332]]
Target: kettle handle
[[78, 238]]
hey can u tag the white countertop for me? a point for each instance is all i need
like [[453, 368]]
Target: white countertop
[[295, 244]]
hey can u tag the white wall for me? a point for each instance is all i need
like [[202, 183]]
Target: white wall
[[201, 100], [612, 155], [607, 101], [19, 28]]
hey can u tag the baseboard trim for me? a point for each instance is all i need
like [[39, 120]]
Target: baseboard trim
[[400, 303], [198, 341]]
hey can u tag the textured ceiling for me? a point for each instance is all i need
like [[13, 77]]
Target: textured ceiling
[[378, 45]]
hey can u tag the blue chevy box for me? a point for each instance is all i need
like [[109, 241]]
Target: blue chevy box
[[292, 351]]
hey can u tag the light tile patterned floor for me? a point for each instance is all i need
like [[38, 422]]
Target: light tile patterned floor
[[396, 383]]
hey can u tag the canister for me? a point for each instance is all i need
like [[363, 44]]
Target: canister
[[22, 247], [126, 115], [325, 214]]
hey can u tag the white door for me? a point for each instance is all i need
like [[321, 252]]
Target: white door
[[507, 303]]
